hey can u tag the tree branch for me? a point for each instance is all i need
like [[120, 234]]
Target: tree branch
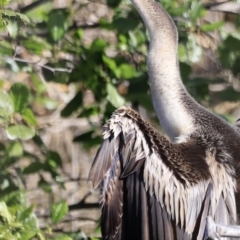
[[69, 70], [32, 6], [82, 203]]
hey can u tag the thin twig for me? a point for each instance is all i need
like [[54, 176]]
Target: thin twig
[[71, 180], [69, 70]]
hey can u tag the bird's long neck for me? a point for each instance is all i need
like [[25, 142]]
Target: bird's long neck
[[169, 96]]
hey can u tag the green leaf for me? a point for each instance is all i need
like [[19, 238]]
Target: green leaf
[[23, 17], [211, 26], [42, 183], [6, 105], [4, 212], [235, 67], [20, 131], [33, 168], [62, 237], [21, 96], [84, 137], [58, 211], [15, 149], [12, 28], [112, 65], [109, 62], [40, 236], [4, 2], [5, 234], [133, 39], [113, 96], [229, 94], [91, 142], [26, 213], [8, 13], [185, 71], [28, 234], [196, 11], [57, 23], [232, 43], [182, 53], [2, 147], [113, 3], [2, 23], [127, 71], [88, 111], [98, 45], [36, 44], [28, 116], [48, 103], [38, 84], [193, 49], [73, 105], [124, 25], [6, 49], [137, 90], [38, 141], [53, 159]]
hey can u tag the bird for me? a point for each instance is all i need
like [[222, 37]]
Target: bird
[[158, 188]]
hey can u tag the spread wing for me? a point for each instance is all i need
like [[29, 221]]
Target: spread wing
[[153, 189]]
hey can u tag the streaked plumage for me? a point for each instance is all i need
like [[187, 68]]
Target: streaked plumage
[[153, 188]]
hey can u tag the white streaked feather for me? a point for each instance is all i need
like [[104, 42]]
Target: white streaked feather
[[183, 203], [176, 205], [182, 212]]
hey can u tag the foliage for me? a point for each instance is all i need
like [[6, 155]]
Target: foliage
[[113, 71]]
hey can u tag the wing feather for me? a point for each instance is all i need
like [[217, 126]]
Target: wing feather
[[153, 189]]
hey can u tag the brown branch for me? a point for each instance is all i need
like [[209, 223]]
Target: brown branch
[[32, 6], [82, 203]]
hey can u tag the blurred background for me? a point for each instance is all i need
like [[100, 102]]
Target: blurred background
[[65, 66]]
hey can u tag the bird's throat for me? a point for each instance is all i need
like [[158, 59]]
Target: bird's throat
[[169, 95], [171, 100]]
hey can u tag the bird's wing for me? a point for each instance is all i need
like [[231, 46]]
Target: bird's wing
[[152, 189]]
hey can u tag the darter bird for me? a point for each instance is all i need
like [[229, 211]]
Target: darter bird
[[159, 189]]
